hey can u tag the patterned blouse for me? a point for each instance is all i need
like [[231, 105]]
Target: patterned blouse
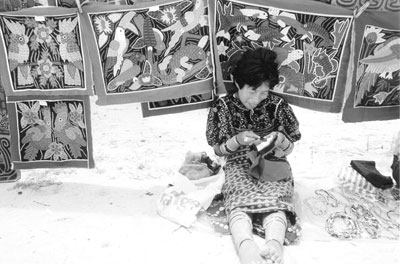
[[228, 116]]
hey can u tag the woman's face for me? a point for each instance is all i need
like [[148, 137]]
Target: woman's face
[[252, 97]]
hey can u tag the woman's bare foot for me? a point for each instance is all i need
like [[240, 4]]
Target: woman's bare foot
[[273, 252], [250, 253]]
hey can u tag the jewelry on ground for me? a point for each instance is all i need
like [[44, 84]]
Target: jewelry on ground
[[330, 199], [367, 219], [316, 205], [394, 216], [342, 226]]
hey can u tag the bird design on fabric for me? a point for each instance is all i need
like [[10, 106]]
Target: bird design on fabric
[[267, 34], [37, 137], [186, 22], [69, 49], [18, 49], [119, 45], [385, 59], [239, 18], [129, 71], [66, 133], [285, 19], [316, 29], [152, 38]]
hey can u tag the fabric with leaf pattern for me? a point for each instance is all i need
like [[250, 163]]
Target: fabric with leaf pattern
[[44, 55], [7, 173], [375, 86], [51, 133]]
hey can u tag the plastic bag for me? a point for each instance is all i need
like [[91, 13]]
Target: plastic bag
[[181, 202]]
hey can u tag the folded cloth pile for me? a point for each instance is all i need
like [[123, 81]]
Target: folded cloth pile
[[198, 165], [268, 158], [367, 169]]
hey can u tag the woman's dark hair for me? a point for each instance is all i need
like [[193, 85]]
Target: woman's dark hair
[[256, 67]]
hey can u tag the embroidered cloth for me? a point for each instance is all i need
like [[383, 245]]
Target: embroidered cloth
[[44, 53], [150, 51], [72, 3], [7, 173], [374, 87], [15, 5], [172, 106], [310, 39], [375, 5], [51, 132]]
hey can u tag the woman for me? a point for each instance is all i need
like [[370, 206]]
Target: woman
[[238, 121]]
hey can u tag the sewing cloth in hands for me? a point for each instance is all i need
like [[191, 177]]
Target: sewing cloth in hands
[[268, 167]]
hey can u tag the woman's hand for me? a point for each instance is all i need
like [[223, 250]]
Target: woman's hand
[[283, 146], [246, 137]]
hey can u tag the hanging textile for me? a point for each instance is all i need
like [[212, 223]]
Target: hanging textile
[[310, 39], [15, 5], [7, 173], [150, 51], [374, 88], [72, 3], [44, 53], [375, 5], [66, 3], [133, 2], [178, 105], [51, 132]]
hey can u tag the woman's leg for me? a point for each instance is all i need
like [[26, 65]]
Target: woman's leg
[[241, 228], [275, 228]]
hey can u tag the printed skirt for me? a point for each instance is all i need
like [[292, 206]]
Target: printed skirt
[[245, 193]]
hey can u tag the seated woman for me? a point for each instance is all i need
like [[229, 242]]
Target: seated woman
[[235, 122]]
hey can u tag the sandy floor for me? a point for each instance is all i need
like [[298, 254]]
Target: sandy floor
[[108, 214]]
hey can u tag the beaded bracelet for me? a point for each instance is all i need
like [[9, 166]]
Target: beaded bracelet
[[350, 229], [367, 219]]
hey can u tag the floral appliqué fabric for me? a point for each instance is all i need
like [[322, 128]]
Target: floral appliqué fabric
[[44, 55], [51, 132]]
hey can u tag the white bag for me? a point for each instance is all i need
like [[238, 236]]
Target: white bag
[[182, 202]]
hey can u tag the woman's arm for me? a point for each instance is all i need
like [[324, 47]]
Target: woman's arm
[[226, 148], [231, 145], [288, 130]]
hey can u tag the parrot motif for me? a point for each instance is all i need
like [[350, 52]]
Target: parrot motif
[[18, 49], [66, 133], [119, 45], [385, 60], [315, 29], [189, 21], [38, 137], [129, 71], [69, 49]]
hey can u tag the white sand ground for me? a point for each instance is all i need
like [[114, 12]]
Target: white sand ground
[[108, 214]]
